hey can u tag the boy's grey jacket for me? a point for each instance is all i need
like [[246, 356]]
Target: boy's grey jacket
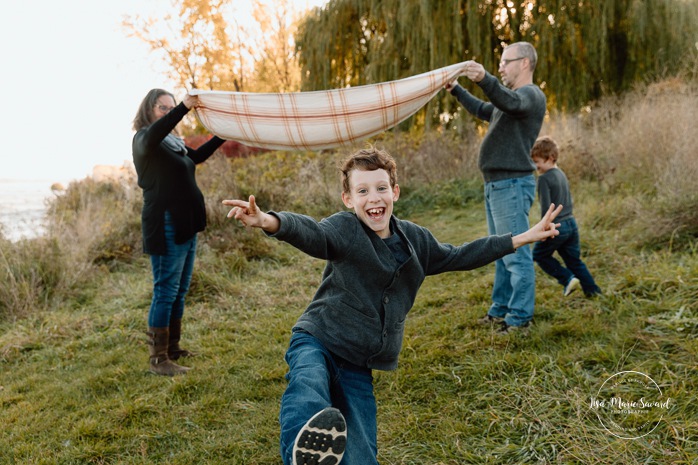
[[360, 282]]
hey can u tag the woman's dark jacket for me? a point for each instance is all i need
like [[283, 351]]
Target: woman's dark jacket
[[168, 180]]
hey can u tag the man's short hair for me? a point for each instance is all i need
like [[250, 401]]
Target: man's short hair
[[527, 50]]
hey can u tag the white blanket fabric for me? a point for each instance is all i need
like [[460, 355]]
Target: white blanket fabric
[[321, 119]]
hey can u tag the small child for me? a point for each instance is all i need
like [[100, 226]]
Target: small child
[[355, 322], [553, 188]]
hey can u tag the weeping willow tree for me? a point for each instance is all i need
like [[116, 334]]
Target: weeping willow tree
[[586, 48]]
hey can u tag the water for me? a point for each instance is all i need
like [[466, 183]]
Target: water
[[23, 207]]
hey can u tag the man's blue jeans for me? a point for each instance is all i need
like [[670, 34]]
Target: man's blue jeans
[[567, 245], [507, 204], [171, 278], [316, 380]]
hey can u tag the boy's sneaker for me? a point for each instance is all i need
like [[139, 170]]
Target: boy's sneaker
[[506, 329], [572, 286], [322, 439], [488, 320]]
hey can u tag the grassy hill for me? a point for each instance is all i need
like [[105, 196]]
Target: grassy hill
[[74, 380]]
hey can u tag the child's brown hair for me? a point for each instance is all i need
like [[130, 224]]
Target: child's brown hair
[[545, 148], [368, 159]]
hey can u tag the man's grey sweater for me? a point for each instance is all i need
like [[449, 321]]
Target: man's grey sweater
[[359, 310], [515, 118]]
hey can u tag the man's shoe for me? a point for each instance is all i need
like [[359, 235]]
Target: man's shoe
[[488, 320], [322, 440], [572, 286], [506, 329]]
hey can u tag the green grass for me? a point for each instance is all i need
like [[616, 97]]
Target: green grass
[[75, 386], [74, 380]]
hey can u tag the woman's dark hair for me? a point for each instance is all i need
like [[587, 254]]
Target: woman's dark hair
[[144, 116]]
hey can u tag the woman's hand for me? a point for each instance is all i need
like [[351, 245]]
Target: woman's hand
[[190, 101]]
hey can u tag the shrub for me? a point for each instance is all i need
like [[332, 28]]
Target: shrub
[[97, 222], [671, 216], [434, 157], [33, 272], [641, 147], [302, 181]]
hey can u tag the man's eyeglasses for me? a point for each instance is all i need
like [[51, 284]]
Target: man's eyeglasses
[[164, 108], [504, 63]]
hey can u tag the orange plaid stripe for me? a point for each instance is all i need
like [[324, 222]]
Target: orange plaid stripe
[[321, 119]]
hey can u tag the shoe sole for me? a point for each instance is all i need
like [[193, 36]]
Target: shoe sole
[[322, 440], [572, 286]]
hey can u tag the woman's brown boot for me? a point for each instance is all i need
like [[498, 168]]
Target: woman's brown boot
[[160, 363], [174, 352]]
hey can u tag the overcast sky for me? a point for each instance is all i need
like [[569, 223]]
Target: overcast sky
[[72, 82]]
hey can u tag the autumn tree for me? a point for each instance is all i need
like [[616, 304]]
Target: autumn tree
[[201, 43], [205, 45], [275, 66]]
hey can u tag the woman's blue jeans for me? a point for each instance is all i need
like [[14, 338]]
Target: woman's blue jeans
[[316, 380], [507, 204], [171, 278], [566, 244]]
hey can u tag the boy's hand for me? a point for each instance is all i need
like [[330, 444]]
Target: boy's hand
[[249, 214], [543, 230]]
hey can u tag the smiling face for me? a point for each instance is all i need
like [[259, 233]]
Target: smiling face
[[165, 103], [542, 165], [372, 197], [544, 154]]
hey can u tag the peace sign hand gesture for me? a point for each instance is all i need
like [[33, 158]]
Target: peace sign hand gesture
[[249, 214]]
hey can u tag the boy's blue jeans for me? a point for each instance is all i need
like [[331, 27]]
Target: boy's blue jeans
[[171, 278], [567, 245], [316, 380], [507, 204]]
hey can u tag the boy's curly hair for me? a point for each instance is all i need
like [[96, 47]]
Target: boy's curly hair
[[545, 148], [368, 159]]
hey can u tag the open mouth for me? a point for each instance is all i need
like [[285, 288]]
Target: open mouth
[[375, 213]]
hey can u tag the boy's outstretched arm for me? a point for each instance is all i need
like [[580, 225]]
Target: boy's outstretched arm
[[250, 215], [543, 230]]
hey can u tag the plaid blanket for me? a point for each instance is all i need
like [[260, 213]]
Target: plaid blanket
[[321, 119]]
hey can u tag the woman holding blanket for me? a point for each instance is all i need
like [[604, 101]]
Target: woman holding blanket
[[173, 213]]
